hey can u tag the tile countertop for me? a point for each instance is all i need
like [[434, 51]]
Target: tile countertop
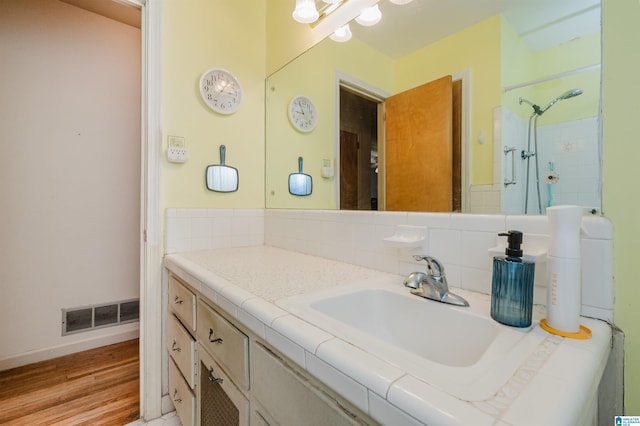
[[552, 386]]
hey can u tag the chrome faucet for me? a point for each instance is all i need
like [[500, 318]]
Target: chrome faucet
[[432, 284]]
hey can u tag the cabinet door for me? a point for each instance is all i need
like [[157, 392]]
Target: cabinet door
[[220, 401], [228, 345], [289, 398]]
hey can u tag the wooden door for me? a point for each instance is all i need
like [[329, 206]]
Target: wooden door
[[418, 170], [348, 170]]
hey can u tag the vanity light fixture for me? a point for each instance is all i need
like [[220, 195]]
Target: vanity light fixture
[[342, 34], [333, 16], [305, 11], [369, 16]]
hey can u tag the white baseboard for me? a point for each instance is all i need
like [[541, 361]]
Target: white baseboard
[[129, 331]]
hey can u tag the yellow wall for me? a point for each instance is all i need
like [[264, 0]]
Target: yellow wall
[[286, 38], [476, 48], [621, 145], [518, 69], [198, 35], [318, 66]]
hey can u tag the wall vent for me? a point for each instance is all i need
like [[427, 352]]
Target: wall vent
[[85, 318]]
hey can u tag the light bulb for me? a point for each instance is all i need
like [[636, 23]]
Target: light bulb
[[305, 11], [342, 34], [369, 16]]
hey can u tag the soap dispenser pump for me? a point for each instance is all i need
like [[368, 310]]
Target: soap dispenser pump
[[512, 284]]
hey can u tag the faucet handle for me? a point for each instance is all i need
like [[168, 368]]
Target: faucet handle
[[434, 267]]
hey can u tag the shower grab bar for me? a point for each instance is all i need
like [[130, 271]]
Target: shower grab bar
[[511, 150]]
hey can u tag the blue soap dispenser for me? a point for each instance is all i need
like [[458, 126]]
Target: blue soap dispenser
[[512, 284]]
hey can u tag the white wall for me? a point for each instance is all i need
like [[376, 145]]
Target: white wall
[[69, 173]]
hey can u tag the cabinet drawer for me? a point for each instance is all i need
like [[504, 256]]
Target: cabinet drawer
[[228, 345], [182, 397], [219, 400], [182, 349], [182, 302]]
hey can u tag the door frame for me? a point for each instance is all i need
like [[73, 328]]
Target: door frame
[[379, 95], [151, 372], [366, 90], [465, 129]]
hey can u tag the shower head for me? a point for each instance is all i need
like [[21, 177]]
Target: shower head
[[570, 94], [566, 95]]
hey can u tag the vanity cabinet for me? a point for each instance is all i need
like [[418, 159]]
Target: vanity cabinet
[[232, 377]]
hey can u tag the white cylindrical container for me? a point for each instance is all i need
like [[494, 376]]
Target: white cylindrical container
[[564, 292]]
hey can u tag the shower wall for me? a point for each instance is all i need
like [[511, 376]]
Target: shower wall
[[571, 148]]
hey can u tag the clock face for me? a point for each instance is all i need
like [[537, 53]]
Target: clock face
[[303, 114], [221, 90]]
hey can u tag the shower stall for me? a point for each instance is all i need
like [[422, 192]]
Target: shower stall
[[550, 155], [532, 133]]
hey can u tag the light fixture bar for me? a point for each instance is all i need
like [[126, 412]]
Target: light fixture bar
[[345, 12]]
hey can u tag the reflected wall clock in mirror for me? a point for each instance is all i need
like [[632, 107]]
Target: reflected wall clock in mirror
[[221, 90], [302, 113]]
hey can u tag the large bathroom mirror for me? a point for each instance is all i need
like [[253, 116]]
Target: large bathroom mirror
[[521, 87]]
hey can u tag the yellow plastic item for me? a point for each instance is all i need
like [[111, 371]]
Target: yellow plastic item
[[583, 334]]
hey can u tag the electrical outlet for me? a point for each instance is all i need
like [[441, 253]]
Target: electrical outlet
[[177, 155]]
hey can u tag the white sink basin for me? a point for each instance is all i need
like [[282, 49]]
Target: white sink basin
[[460, 350], [434, 331]]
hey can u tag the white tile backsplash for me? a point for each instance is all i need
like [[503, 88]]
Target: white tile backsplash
[[459, 241], [202, 229]]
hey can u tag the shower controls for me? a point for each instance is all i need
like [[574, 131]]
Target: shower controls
[[526, 154]]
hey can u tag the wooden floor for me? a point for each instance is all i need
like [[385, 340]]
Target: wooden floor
[[95, 387]]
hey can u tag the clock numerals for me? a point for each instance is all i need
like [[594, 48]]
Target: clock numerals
[[221, 91], [302, 113]]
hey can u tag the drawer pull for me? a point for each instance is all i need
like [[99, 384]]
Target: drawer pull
[[213, 378], [175, 347], [212, 340], [178, 301], [175, 397]]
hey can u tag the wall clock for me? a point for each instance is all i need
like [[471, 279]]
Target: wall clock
[[302, 113], [220, 90]]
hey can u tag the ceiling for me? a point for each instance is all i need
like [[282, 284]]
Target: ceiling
[[541, 23], [405, 28], [118, 10]]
